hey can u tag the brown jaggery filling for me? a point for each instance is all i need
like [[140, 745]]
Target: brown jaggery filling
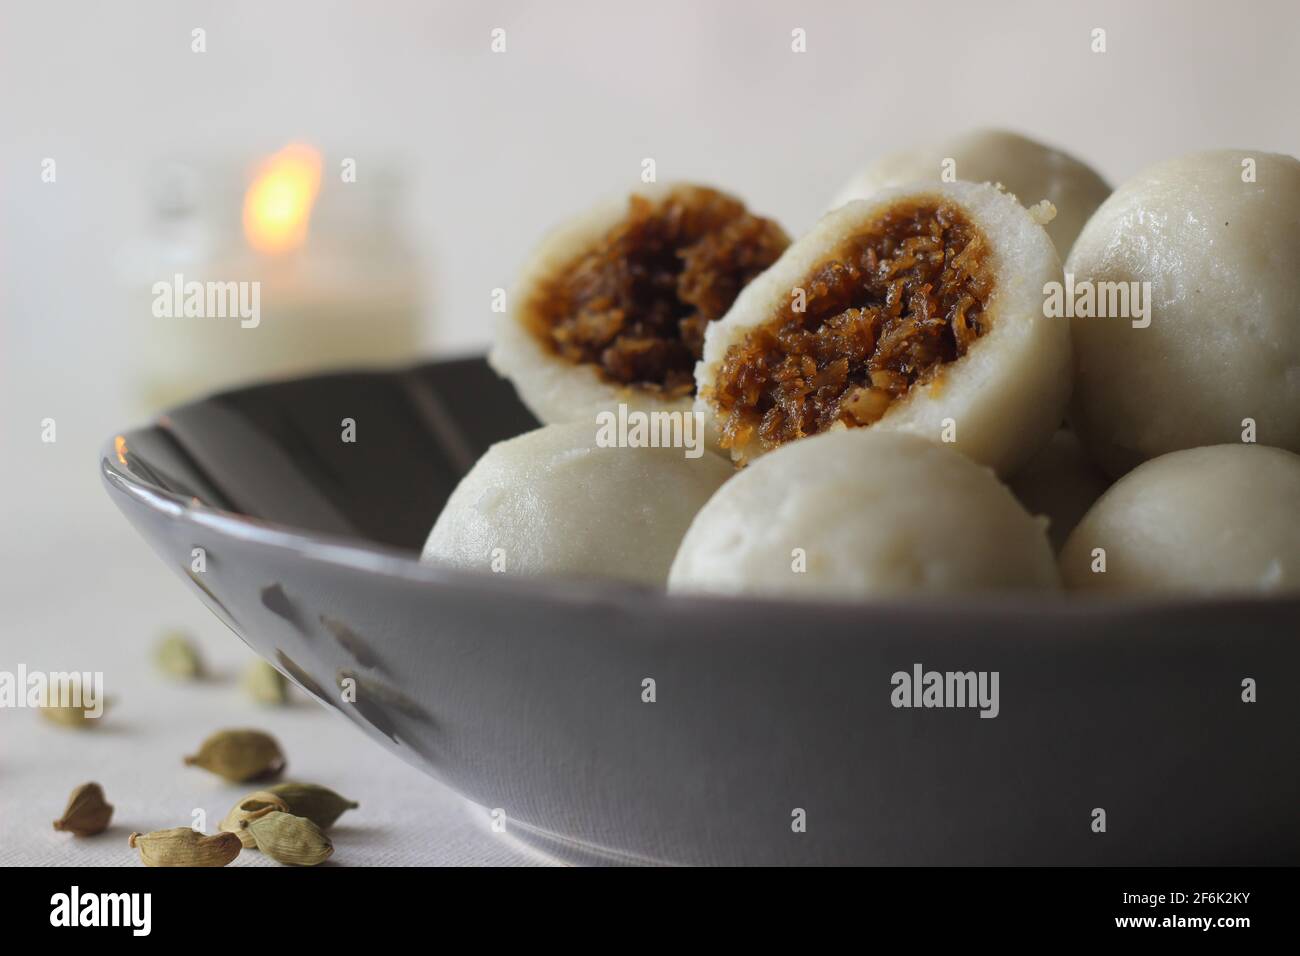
[[884, 312], [637, 303]]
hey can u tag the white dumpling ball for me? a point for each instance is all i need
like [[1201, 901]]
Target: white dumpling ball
[[611, 306], [1060, 483], [863, 515], [555, 502], [1216, 356], [1224, 519], [919, 310], [1033, 171]]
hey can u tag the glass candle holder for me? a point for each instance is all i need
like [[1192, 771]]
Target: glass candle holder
[[273, 270]]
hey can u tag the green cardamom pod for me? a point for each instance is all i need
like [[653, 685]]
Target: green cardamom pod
[[239, 755], [87, 812], [182, 846], [251, 807], [178, 657], [265, 684], [321, 805], [291, 840], [73, 714], [74, 717]]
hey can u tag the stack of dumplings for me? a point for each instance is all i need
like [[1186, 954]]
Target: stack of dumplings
[[980, 371]]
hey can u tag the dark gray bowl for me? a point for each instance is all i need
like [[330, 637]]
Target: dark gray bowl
[[527, 695]]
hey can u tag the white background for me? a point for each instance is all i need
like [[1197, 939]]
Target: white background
[[495, 148]]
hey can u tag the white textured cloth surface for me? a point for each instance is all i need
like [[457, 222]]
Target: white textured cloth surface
[[92, 597]]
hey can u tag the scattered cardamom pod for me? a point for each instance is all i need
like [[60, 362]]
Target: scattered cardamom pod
[[87, 812], [293, 841], [265, 684], [74, 717], [251, 807], [73, 714], [321, 805], [239, 755], [181, 846], [178, 657]]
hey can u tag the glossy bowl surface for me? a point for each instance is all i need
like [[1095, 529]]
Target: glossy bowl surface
[[528, 695]]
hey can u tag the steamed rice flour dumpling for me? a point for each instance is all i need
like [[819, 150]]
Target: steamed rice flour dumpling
[[556, 501], [1030, 170], [1217, 520], [1211, 241], [864, 516], [613, 306], [919, 310]]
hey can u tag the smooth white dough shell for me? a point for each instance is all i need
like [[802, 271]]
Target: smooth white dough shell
[[554, 502], [1031, 170], [1223, 344], [876, 514], [1060, 483], [1205, 520], [553, 388], [1005, 397]]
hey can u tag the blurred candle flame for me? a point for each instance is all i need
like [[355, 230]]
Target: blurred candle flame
[[277, 206]]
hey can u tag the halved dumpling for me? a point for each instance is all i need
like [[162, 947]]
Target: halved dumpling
[[1029, 169], [613, 305], [920, 310]]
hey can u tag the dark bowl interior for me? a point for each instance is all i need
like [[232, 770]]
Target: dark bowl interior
[[276, 451], [528, 696]]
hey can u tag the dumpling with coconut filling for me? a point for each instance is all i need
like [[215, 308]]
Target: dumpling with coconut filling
[[920, 310], [1031, 170], [613, 305]]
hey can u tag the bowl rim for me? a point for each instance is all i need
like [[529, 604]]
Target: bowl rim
[[121, 476]]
